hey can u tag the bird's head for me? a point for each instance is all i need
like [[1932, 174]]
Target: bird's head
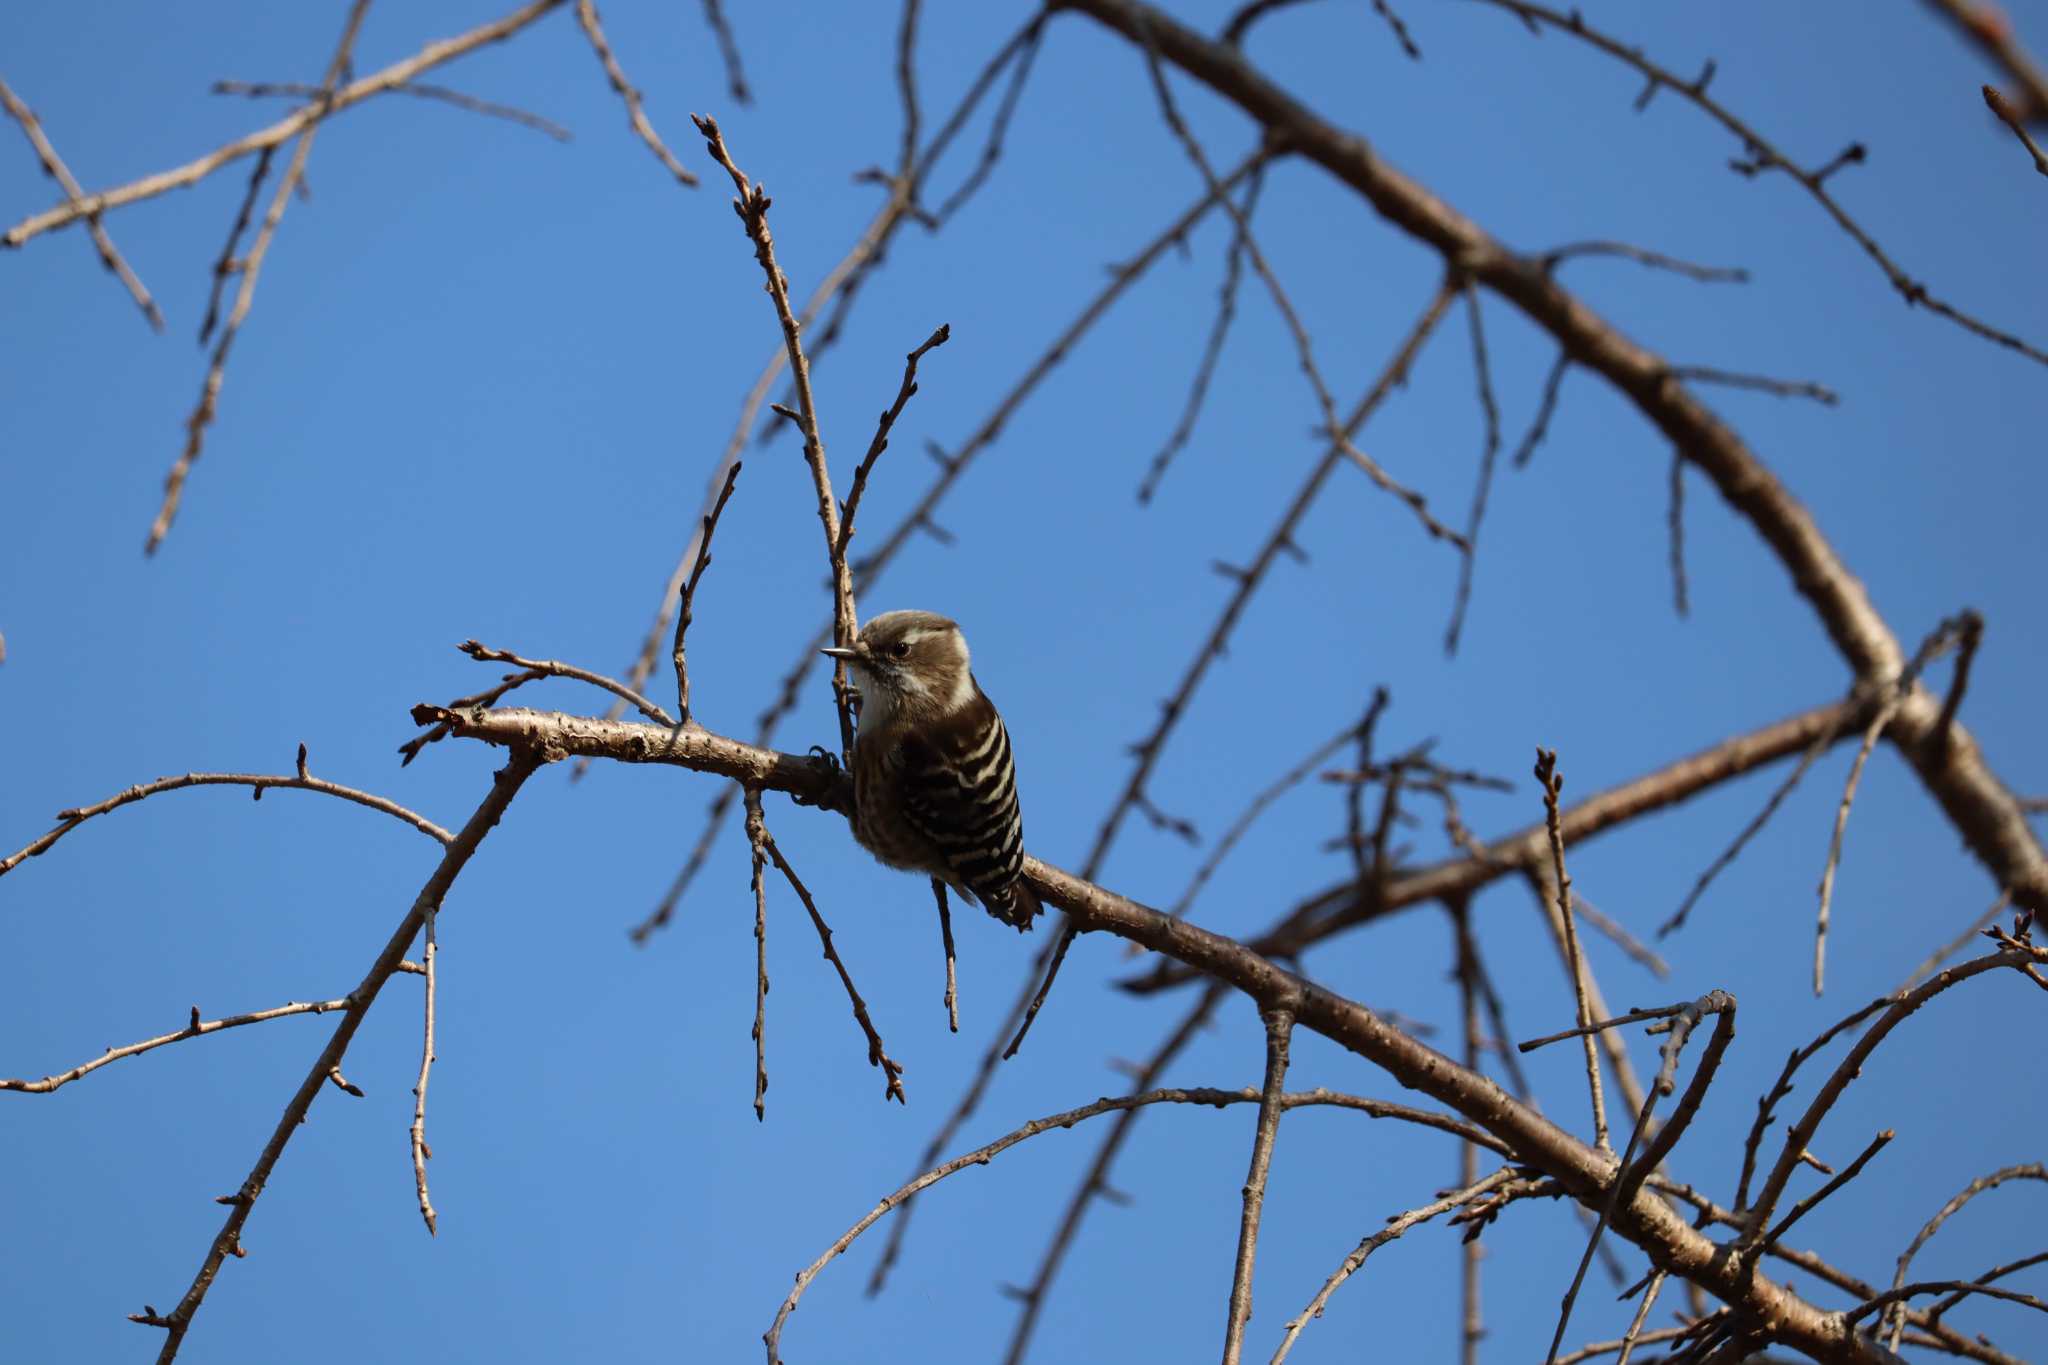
[[909, 660]]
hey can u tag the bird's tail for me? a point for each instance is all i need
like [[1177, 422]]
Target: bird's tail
[[1015, 905]]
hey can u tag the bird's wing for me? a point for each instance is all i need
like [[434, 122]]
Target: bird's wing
[[960, 792]]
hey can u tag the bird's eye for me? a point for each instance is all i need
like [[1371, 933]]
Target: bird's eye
[[901, 649]]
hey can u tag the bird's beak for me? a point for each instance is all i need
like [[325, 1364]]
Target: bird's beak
[[838, 653]]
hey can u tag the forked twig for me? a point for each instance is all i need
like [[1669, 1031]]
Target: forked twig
[[250, 267], [54, 167], [892, 1072], [1396, 1225]]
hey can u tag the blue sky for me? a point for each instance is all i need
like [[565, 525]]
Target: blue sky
[[481, 390]]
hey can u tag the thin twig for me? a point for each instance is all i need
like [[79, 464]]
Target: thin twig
[[424, 90], [1546, 408], [1212, 351], [1094, 1181], [284, 130], [1995, 1273], [992, 148], [554, 668], [1964, 1287], [839, 283], [1635, 1326], [1285, 783], [420, 1150], [1489, 453], [757, 836], [1655, 260], [2032, 1170], [197, 1028], [1472, 1325], [1345, 904], [981, 1156], [1674, 521], [1799, 1137], [1631, 1170], [54, 167], [1959, 942], [533, 671], [1397, 1225], [1849, 1173], [586, 15], [983, 436], [1279, 1021], [72, 817], [906, 87], [1354, 792], [882, 429], [892, 1072], [728, 51], [1552, 783], [663, 911], [946, 935], [251, 266], [1617, 934], [684, 613], [1303, 349], [1937, 642], [1991, 30], [1783, 388], [752, 208], [1766, 1105], [2010, 118], [1822, 742], [1632, 1017], [1969, 634], [229, 263], [1761, 156], [1280, 541], [433, 893]]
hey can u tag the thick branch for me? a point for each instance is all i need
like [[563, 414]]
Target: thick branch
[[1976, 802], [1643, 1219]]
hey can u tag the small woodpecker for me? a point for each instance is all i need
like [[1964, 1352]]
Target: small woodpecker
[[934, 790]]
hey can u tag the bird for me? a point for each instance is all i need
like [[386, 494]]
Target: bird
[[934, 785]]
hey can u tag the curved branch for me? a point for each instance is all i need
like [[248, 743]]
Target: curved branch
[[1584, 1174], [390, 78], [75, 816], [981, 1156], [196, 1029], [505, 785]]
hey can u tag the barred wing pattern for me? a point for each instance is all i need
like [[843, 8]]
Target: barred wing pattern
[[959, 790]]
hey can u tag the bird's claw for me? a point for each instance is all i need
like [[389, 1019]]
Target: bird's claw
[[833, 776]]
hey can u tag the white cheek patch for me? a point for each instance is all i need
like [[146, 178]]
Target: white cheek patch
[[963, 691]]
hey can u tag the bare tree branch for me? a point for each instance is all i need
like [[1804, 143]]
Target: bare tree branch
[[1279, 1021], [72, 817], [54, 167], [197, 1028], [636, 114], [422, 89], [250, 267]]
